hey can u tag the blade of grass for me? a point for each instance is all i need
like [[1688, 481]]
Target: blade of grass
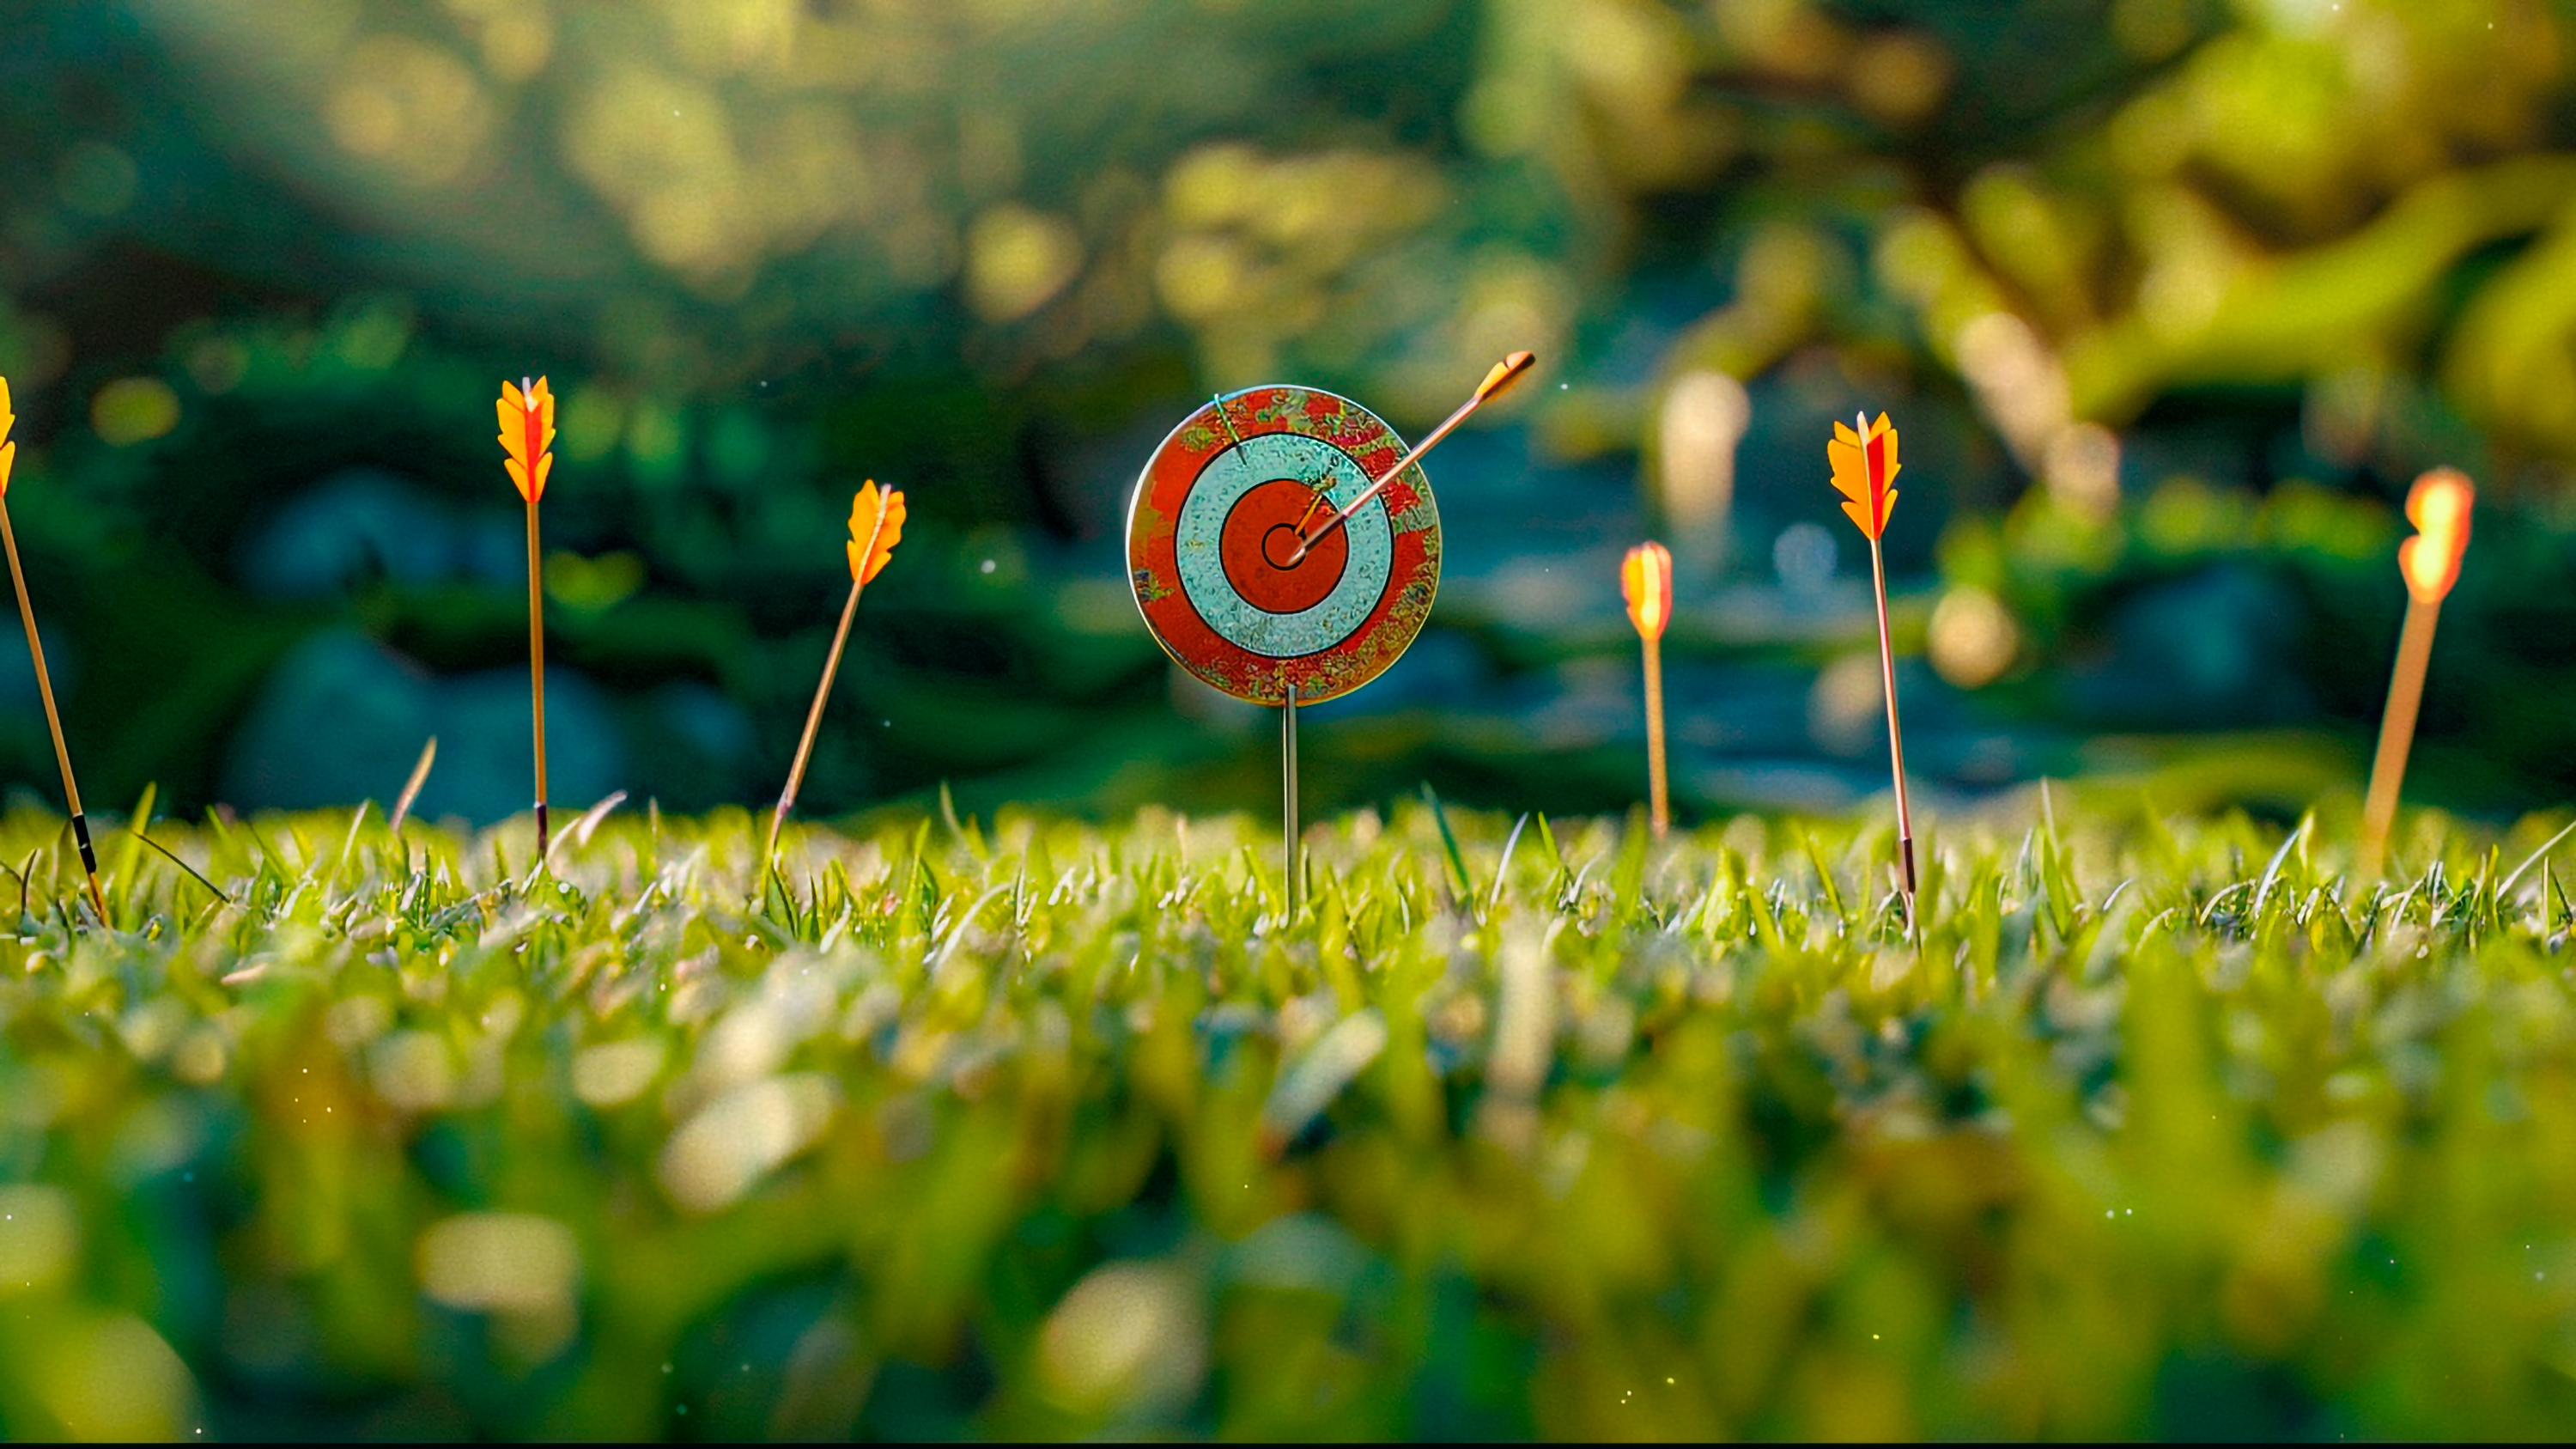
[[2535, 858], [1449, 842], [1824, 877], [411, 787], [1503, 868], [2209, 908], [967, 835], [1555, 857], [141, 819], [1628, 870], [583, 828], [172, 857], [957, 928], [778, 900], [2272, 871], [349, 842]]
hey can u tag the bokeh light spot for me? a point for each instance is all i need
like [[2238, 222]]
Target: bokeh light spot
[[616, 1072], [719, 1154], [1017, 259], [134, 410], [1130, 1337], [39, 1237], [499, 1263], [408, 105], [112, 1379], [1973, 639], [1704, 416]]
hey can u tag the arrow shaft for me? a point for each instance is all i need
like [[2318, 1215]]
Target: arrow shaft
[[36, 651], [822, 692], [1288, 796], [1344, 514], [1658, 792], [2397, 731], [53, 720], [1895, 732], [537, 662]]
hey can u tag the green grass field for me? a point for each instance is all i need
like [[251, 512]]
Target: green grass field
[[1038, 1128]]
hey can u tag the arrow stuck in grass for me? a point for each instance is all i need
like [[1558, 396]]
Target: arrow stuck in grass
[[527, 412], [1646, 579], [876, 526], [1864, 463], [36, 651], [2438, 505]]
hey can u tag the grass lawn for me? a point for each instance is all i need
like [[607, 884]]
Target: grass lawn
[[1040, 1128]]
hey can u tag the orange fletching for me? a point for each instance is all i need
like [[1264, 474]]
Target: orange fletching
[[1865, 471], [1504, 373], [8, 449], [876, 526], [2438, 506], [1646, 579], [528, 436]]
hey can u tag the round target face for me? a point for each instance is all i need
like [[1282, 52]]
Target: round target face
[[1217, 518]]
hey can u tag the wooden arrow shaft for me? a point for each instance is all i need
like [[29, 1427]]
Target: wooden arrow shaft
[[1658, 791], [822, 691], [1895, 732], [1288, 797], [2397, 731], [537, 665], [1347, 511], [1506, 372], [53, 720], [813, 725]]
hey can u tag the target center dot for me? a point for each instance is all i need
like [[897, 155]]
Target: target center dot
[[1279, 546]]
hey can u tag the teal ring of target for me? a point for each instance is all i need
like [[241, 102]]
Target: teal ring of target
[[1213, 533]]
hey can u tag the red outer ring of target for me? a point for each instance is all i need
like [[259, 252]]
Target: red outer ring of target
[[1413, 572]]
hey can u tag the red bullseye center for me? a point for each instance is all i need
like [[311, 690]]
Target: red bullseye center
[[1261, 536], [1279, 546]]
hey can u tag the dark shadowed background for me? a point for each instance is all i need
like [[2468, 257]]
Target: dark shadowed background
[[2169, 299]]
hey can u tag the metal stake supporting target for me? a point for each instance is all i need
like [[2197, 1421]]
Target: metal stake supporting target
[[1284, 548]]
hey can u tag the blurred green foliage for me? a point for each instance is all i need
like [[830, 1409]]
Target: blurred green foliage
[[260, 269], [2173, 1129]]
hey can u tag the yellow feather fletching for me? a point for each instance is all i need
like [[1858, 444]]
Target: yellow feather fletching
[[876, 526], [528, 436], [8, 450], [1864, 471], [1504, 373], [1646, 579], [2438, 505]]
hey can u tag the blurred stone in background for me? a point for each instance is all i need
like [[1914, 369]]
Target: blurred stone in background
[[342, 719]]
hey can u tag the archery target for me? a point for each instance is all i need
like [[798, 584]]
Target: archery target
[[1216, 520]]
